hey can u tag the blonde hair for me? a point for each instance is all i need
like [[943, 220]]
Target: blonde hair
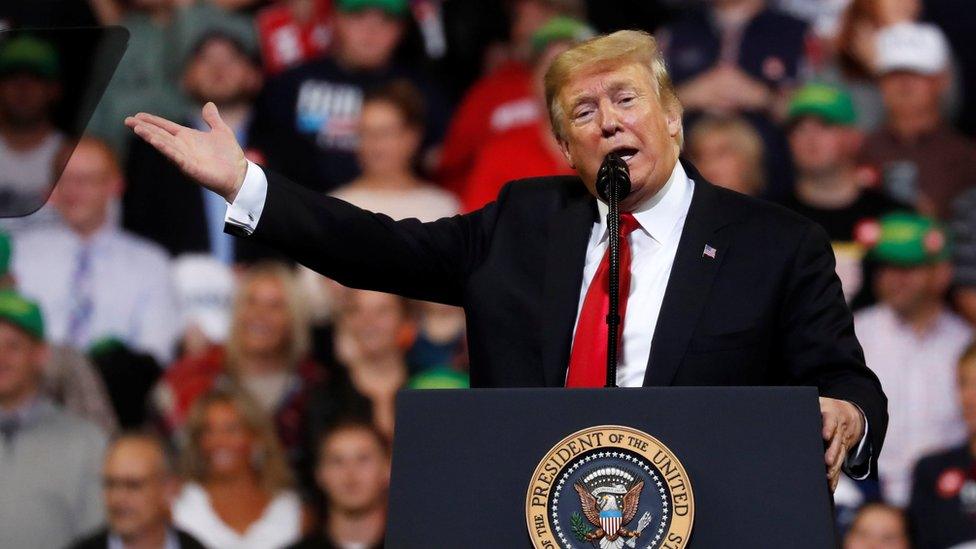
[[621, 47], [299, 336], [269, 458], [746, 139]]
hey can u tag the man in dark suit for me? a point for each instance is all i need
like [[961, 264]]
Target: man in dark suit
[[726, 290], [139, 482]]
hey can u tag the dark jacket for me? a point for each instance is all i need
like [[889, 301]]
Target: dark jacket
[[99, 540], [767, 310]]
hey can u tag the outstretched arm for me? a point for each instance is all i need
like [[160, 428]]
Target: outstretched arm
[[429, 261]]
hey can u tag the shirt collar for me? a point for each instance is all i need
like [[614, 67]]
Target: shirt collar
[[659, 214]]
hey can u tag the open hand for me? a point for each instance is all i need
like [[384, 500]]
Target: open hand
[[843, 427], [214, 158]]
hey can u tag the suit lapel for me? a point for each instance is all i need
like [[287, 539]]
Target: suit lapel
[[569, 233], [690, 282]]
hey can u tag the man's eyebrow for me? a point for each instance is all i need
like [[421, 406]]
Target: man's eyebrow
[[613, 87]]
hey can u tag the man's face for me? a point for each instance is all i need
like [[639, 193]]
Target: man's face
[[26, 100], [877, 529], [909, 94], [136, 488], [87, 187], [909, 290], [819, 148], [366, 39], [219, 72], [617, 109], [21, 361], [353, 471]]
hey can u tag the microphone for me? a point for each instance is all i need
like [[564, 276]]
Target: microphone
[[613, 184], [613, 171]]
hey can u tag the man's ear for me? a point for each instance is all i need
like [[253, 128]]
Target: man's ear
[[564, 147], [674, 122]]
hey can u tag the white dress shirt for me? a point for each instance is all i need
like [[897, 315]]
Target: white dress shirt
[[654, 246], [918, 373], [131, 286]]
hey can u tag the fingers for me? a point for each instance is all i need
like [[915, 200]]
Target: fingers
[[167, 125], [163, 141]]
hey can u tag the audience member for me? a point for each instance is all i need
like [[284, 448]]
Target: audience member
[[503, 99], [878, 526], [69, 378], [139, 484], [738, 56], [379, 328], [912, 341], [161, 32], [94, 280], [963, 225], [942, 512], [48, 459], [728, 152], [391, 127], [308, 117], [829, 189], [266, 355], [292, 32], [205, 291], [237, 493], [922, 160], [32, 149], [160, 203], [530, 150], [353, 472], [850, 59]]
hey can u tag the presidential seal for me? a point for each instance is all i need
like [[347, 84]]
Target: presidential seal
[[609, 487]]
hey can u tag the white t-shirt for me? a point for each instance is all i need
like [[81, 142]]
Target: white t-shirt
[[278, 526]]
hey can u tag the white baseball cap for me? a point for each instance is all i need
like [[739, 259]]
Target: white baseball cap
[[915, 47], [205, 290]]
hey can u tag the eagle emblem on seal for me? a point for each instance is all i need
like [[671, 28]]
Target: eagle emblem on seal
[[609, 498]]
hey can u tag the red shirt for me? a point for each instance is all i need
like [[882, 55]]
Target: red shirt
[[515, 154], [498, 102], [286, 42]]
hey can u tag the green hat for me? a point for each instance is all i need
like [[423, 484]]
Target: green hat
[[396, 8], [831, 103], [5, 249], [440, 378], [560, 29], [21, 312], [909, 240], [28, 54]]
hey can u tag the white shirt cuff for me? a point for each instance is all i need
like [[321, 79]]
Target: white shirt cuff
[[245, 212], [860, 455]]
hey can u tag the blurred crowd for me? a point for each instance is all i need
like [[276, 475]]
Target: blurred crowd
[[163, 384]]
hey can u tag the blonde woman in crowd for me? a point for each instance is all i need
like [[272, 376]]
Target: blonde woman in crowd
[[728, 152], [237, 494], [267, 356]]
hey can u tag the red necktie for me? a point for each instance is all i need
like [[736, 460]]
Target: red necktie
[[588, 361]]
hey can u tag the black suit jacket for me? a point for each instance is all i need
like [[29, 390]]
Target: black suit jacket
[[99, 540], [767, 310]]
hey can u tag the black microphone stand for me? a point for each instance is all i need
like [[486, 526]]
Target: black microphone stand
[[613, 184]]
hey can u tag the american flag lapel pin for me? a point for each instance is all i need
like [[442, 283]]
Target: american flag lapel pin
[[709, 252]]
